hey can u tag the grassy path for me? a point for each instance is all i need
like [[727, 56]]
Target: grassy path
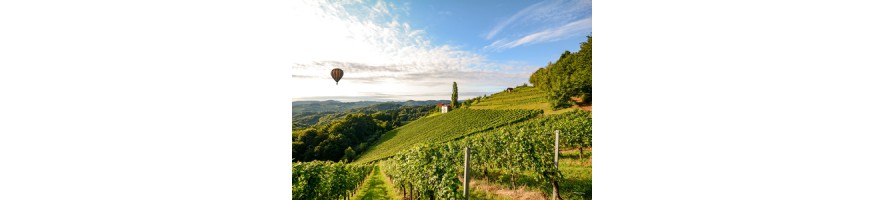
[[375, 187]]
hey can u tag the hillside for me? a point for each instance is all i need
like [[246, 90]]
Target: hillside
[[508, 136], [519, 98], [442, 128], [337, 106], [399, 110], [326, 106]]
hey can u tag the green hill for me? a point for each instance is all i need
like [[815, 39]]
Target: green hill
[[519, 98], [442, 128]]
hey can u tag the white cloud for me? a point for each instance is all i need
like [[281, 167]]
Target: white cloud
[[580, 27], [545, 21], [549, 13], [381, 54]]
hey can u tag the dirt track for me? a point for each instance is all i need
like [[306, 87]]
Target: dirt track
[[588, 106]]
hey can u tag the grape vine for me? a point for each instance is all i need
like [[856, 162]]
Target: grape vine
[[326, 180], [432, 170]]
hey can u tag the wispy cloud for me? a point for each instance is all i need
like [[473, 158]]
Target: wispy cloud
[[550, 21], [580, 27], [534, 9], [380, 53]]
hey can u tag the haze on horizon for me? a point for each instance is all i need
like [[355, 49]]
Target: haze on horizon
[[398, 51]]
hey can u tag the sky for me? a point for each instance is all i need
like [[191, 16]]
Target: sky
[[415, 50]]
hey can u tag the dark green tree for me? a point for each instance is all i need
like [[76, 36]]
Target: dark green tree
[[454, 95], [349, 154]]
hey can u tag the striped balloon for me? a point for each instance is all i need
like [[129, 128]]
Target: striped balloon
[[336, 74]]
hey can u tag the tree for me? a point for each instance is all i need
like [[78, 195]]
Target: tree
[[349, 154], [570, 76], [454, 95]]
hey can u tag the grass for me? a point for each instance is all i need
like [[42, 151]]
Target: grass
[[481, 194], [520, 98], [376, 187], [441, 128], [576, 184], [482, 189], [578, 174]]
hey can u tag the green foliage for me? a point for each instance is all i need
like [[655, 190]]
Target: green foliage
[[328, 142], [432, 170], [326, 180], [570, 76], [442, 128], [429, 171], [356, 128], [454, 95], [519, 97], [575, 128], [349, 154]]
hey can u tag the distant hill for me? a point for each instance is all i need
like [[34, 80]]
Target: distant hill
[[327, 106], [337, 106], [308, 113]]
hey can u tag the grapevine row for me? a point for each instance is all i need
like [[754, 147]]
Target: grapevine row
[[326, 180], [431, 171], [442, 128]]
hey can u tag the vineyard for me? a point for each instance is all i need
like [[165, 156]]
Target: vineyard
[[424, 159], [442, 128], [512, 155], [520, 98], [518, 153], [431, 171], [326, 180]]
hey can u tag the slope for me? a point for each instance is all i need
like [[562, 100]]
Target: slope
[[442, 128], [522, 97]]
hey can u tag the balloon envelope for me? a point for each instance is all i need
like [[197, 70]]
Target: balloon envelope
[[336, 74]]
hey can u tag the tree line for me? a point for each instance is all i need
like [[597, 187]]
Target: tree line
[[570, 76], [345, 137]]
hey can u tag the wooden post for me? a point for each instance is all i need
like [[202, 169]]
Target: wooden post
[[556, 165], [467, 172], [556, 151]]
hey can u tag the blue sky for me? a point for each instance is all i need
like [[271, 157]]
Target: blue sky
[[401, 50], [468, 24]]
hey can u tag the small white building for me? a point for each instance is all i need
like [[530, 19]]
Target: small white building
[[443, 108]]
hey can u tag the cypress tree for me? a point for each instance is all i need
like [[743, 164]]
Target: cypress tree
[[454, 95]]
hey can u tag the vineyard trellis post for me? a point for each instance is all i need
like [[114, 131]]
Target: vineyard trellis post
[[556, 164], [467, 172], [556, 151]]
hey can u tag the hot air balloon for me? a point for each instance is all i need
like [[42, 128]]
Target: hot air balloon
[[336, 74]]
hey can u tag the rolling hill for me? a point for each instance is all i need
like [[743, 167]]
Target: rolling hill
[[522, 97], [337, 106], [441, 128]]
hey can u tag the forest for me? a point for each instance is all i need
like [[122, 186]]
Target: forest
[[338, 136], [570, 76]]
